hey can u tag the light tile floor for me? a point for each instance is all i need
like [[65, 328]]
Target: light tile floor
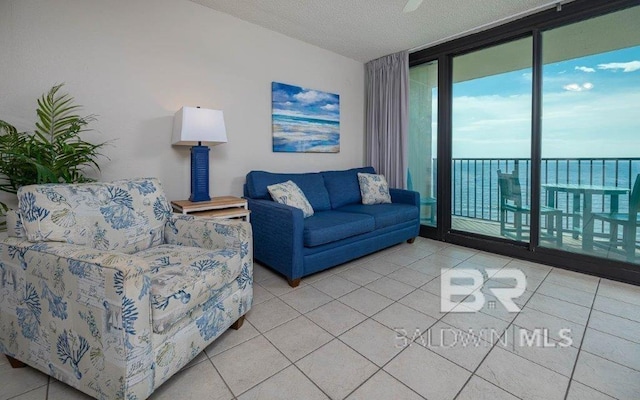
[[372, 329]]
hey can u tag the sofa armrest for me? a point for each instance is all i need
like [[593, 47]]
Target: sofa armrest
[[72, 299], [278, 236], [405, 196]]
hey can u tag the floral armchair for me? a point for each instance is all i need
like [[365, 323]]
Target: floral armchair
[[104, 288]]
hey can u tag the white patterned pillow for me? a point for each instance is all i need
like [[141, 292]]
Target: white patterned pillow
[[290, 194], [374, 189]]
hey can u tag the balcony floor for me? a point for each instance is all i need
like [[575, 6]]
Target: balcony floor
[[491, 228]]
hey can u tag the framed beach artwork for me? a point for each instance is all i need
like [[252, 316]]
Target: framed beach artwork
[[304, 120]]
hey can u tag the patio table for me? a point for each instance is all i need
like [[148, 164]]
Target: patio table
[[584, 211]]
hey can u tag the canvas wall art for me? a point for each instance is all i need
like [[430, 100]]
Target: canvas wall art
[[304, 120]]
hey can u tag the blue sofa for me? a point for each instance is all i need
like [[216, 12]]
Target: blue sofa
[[341, 229]]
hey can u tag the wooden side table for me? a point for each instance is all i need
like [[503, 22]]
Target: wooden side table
[[224, 207]]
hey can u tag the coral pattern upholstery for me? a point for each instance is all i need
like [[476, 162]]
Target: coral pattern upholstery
[[103, 288]]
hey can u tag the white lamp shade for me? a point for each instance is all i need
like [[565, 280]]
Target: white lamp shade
[[192, 125]]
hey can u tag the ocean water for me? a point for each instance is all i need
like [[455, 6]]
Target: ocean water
[[308, 135], [475, 185]]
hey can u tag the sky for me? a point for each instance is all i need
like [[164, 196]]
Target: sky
[[591, 108], [295, 101]]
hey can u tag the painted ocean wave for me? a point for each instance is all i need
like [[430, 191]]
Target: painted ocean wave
[[303, 134]]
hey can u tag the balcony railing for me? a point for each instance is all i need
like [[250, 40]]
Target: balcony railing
[[475, 187]]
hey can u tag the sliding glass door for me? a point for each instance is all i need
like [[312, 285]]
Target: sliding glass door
[[491, 141], [591, 135], [423, 138], [538, 147]]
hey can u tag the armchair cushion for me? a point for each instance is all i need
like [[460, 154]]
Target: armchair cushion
[[125, 216], [184, 278]]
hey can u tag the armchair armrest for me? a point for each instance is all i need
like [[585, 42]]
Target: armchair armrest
[[209, 233], [14, 224], [405, 196], [88, 311], [278, 235]]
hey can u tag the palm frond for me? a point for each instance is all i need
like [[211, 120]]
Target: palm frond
[[54, 152]]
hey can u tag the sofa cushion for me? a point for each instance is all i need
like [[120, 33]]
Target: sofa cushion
[[385, 214], [374, 189], [311, 184], [288, 193], [329, 226], [343, 186], [183, 278], [124, 216]]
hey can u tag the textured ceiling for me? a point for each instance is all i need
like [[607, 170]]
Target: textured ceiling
[[368, 29]]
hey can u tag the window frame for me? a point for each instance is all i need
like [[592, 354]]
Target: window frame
[[533, 26]]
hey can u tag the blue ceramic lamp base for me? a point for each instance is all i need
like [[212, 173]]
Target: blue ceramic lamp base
[[199, 174]]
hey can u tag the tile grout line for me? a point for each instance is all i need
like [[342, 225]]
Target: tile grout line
[[473, 373], [575, 364], [381, 368], [307, 318], [371, 318], [333, 336], [34, 389], [221, 377], [293, 363]]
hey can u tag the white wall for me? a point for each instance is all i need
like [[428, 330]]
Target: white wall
[[135, 62]]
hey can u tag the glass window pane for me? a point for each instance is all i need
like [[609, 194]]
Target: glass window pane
[[423, 137], [491, 133], [590, 135]]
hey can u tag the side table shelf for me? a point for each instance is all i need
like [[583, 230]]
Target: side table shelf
[[224, 207]]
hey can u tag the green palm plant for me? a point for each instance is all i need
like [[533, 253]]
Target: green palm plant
[[54, 152]]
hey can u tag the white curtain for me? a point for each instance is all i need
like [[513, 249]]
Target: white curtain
[[387, 83]]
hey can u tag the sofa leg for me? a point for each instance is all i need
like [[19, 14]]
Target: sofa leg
[[411, 240], [15, 363], [294, 282], [236, 325]]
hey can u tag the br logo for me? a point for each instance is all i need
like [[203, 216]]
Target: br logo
[[472, 280]]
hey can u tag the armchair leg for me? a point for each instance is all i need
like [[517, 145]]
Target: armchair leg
[[236, 325], [15, 363], [410, 241], [294, 282]]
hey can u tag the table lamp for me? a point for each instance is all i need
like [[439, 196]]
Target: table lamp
[[193, 126]]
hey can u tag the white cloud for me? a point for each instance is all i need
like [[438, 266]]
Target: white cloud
[[311, 96], [330, 107], [572, 125], [575, 87], [585, 69], [305, 114], [630, 66]]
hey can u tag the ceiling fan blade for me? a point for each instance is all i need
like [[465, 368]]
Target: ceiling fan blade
[[412, 5]]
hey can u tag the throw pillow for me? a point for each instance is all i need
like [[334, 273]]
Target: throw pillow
[[374, 189], [289, 193]]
